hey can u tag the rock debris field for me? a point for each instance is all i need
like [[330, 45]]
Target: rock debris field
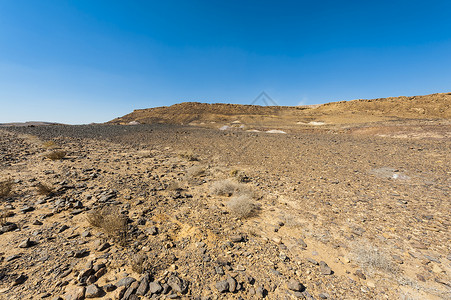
[[174, 212]]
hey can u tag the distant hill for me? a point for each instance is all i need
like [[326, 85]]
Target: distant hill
[[434, 106]]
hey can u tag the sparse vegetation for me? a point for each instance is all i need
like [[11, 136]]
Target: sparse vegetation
[[5, 188], [56, 155], [112, 222], [242, 206], [44, 189], [372, 259], [229, 188]]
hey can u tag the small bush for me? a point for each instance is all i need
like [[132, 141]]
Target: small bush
[[229, 188], [372, 259], [242, 206], [112, 222], [5, 188], [44, 189], [56, 155]]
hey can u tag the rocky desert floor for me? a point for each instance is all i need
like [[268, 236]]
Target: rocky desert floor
[[168, 212]]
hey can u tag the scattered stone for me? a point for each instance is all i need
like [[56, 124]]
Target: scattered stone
[[131, 290], [63, 228], [325, 269], [261, 292], [81, 253], [143, 286], [104, 246], [152, 230], [93, 291], [12, 257], [222, 286], [125, 282], [232, 283], [109, 287], [155, 288], [177, 284], [236, 238], [26, 243], [19, 280], [295, 285], [37, 222]]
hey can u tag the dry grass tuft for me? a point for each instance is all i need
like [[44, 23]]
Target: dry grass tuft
[[5, 188], [242, 206], [229, 188], [112, 222], [372, 259], [56, 155], [44, 189]]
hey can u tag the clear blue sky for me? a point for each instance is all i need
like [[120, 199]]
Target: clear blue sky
[[91, 61]]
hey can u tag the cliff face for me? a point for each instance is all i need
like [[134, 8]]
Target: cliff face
[[435, 106]]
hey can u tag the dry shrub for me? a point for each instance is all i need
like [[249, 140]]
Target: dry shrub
[[371, 259], [5, 188], [195, 171], [44, 189], [229, 188], [139, 263], [242, 206], [49, 145], [112, 222], [56, 155]]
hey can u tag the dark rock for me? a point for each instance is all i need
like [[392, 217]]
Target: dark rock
[[177, 284], [109, 287], [26, 243], [325, 269], [12, 257], [295, 285], [26, 209], [8, 227], [19, 280], [131, 290], [37, 222], [81, 253], [63, 228], [236, 238], [143, 286], [93, 291], [155, 288], [222, 286], [261, 292], [125, 282], [232, 283]]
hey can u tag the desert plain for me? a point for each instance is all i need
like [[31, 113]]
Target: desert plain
[[346, 200]]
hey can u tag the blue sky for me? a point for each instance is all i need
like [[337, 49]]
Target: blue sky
[[91, 61]]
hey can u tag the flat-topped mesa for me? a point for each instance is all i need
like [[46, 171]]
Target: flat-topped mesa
[[434, 106]]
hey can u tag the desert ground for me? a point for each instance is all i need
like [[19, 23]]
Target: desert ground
[[318, 205]]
